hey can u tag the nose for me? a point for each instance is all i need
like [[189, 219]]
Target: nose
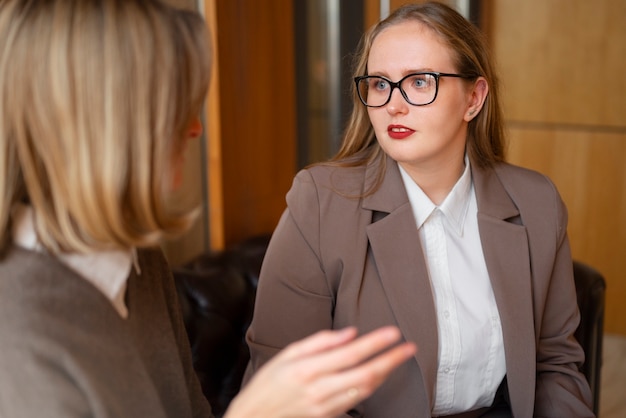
[[195, 128], [397, 103]]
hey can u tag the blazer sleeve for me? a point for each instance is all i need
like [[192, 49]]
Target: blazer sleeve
[[295, 295], [293, 298], [561, 389]]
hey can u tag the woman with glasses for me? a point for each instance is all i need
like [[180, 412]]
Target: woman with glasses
[[98, 99], [418, 222]]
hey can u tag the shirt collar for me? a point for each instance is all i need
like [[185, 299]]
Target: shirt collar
[[108, 270], [454, 207]]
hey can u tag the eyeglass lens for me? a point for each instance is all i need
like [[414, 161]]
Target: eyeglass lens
[[418, 89]]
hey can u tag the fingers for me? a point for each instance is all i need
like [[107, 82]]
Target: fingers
[[319, 342], [323, 375], [355, 352], [374, 372], [340, 391], [367, 377]]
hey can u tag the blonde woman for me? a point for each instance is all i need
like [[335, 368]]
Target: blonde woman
[[97, 101]]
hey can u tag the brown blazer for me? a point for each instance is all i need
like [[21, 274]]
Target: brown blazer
[[337, 260]]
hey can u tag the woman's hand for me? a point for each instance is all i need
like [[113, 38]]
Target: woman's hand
[[323, 375]]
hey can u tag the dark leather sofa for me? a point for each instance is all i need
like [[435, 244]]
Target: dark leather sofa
[[217, 293], [590, 292]]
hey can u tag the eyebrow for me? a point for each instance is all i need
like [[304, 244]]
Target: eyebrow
[[404, 72]]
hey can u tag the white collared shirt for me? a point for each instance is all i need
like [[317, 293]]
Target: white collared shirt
[[471, 362], [108, 271]]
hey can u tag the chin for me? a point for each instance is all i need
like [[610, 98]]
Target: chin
[[404, 152]]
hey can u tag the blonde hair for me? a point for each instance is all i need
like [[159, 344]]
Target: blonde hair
[[95, 97], [485, 138]]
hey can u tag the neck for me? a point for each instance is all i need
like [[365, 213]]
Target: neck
[[437, 181]]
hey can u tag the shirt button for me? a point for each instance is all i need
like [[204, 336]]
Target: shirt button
[[446, 314], [446, 370]]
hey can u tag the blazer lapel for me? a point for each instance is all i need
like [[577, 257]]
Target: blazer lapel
[[400, 262], [505, 246]]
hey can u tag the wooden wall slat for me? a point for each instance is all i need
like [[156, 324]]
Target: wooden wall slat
[[213, 129], [257, 113], [590, 173], [563, 61], [562, 66]]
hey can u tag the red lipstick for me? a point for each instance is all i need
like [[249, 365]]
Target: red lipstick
[[399, 131]]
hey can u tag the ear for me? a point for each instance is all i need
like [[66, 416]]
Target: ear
[[194, 130], [477, 96]]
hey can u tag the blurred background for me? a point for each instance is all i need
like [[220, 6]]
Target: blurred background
[[279, 100]]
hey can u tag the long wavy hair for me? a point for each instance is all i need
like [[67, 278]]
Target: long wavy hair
[[485, 136], [95, 98]]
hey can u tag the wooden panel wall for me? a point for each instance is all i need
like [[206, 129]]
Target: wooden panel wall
[[253, 118], [563, 66]]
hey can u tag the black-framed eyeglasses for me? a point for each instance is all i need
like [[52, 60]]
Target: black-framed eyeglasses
[[418, 89]]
